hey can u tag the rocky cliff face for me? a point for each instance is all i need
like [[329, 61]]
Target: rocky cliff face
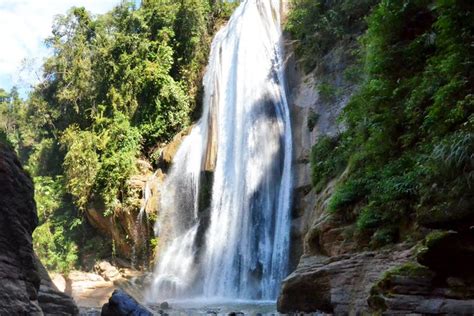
[[332, 272], [129, 230], [25, 287]]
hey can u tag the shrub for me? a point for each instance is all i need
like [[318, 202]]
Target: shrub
[[81, 163], [408, 135], [327, 160], [53, 239], [313, 118], [346, 194]]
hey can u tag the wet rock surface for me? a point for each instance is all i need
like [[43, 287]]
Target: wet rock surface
[[122, 304], [25, 287], [128, 233]]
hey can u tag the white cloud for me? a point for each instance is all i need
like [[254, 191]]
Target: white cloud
[[24, 24]]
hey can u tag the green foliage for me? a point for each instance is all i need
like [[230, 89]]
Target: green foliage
[[313, 118], [45, 158], [100, 160], [10, 116], [116, 86], [319, 25], [81, 164], [409, 128], [327, 161], [53, 238], [327, 91], [119, 147], [453, 153], [346, 194]]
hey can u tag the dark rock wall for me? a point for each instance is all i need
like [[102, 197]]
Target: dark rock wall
[[19, 280], [20, 274]]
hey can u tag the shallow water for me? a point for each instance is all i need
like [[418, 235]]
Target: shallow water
[[219, 307]]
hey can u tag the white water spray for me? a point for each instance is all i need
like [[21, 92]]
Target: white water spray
[[237, 248]]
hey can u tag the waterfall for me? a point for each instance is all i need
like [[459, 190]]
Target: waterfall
[[141, 223], [234, 246]]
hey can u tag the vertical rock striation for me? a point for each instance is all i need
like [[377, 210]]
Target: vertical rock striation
[[20, 272]]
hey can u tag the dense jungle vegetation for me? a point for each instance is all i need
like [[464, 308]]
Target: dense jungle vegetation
[[408, 142], [116, 86]]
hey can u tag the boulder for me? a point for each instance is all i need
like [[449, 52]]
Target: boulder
[[339, 284], [107, 271], [122, 304], [413, 288], [449, 253]]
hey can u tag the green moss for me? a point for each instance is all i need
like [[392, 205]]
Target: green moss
[[383, 287], [434, 237], [377, 303], [409, 269], [313, 118]]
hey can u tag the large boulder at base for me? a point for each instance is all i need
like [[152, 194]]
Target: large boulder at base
[[122, 304], [339, 284], [21, 274]]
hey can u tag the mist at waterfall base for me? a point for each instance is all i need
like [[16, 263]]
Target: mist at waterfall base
[[224, 220]]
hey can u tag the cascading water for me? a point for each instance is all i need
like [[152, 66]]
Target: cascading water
[[236, 246], [141, 223]]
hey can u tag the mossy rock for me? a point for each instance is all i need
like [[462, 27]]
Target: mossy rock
[[412, 274], [449, 253], [457, 214]]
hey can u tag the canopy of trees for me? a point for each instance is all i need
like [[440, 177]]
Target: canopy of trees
[[116, 86]]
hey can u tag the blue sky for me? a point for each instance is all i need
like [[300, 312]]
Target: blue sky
[[24, 24]]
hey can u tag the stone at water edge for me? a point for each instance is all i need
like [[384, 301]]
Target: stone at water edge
[[122, 304], [107, 271]]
